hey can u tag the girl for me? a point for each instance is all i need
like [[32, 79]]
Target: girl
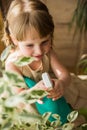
[[30, 29]]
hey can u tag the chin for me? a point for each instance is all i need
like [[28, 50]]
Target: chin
[[38, 59]]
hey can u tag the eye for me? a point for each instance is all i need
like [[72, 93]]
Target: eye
[[45, 42], [29, 45]]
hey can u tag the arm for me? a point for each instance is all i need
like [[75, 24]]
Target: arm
[[62, 75], [59, 70], [9, 66]]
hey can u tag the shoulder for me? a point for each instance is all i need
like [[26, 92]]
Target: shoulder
[[9, 63], [11, 57], [54, 59], [52, 54]]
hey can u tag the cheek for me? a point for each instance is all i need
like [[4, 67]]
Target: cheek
[[26, 52]]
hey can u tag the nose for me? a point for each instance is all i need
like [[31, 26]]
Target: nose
[[38, 50]]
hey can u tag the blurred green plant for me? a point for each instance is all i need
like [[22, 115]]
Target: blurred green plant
[[82, 65], [12, 117], [80, 16], [79, 19]]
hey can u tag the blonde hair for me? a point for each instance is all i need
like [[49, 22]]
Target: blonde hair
[[25, 14]]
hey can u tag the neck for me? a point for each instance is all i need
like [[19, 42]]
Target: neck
[[35, 64]]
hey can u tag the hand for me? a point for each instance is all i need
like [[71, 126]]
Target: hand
[[39, 86], [57, 91]]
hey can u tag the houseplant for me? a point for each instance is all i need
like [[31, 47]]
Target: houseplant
[[80, 16], [12, 116], [79, 19]]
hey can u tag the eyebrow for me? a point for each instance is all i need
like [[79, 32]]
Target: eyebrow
[[45, 40], [40, 42]]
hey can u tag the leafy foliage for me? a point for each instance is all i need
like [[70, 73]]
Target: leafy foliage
[[83, 111], [5, 53], [80, 16], [15, 117], [12, 116], [24, 61], [82, 65], [80, 19]]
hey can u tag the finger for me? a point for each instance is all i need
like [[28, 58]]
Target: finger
[[40, 101], [50, 90], [55, 95], [54, 92], [56, 98]]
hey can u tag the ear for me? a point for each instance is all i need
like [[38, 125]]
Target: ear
[[14, 40]]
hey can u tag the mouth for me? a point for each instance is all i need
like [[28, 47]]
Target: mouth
[[38, 56]]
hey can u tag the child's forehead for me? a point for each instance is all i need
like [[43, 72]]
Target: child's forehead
[[34, 39], [33, 35]]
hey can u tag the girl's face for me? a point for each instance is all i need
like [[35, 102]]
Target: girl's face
[[34, 46]]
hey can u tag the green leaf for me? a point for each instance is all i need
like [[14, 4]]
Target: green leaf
[[84, 126], [30, 117], [56, 123], [7, 126], [33, 95], [38, 93], [68, 126], [14, 79], [72, 116], [82, 65], [80, 16], [46, 116], [5, 53], [83, 111], [30, 100], [13, 101], [24, 61], [1, 89], [56, 116]]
